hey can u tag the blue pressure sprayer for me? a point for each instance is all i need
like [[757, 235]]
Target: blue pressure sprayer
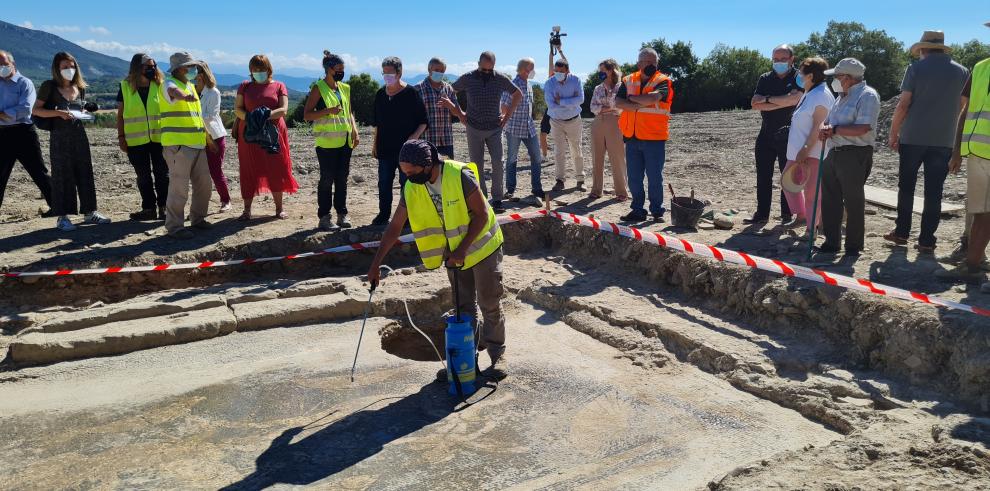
[[461, 349]]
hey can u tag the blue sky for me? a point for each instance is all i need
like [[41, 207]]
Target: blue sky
[[227, 33]]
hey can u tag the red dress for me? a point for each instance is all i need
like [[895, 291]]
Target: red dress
[[262, 172]]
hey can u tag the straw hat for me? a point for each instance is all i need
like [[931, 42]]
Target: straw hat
[[794, 183], [930, 40]]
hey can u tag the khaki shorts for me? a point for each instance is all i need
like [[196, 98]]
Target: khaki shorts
[[977, 185]]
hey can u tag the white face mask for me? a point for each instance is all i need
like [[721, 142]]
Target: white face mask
[[68, 73], [6, 71], [837, 86]]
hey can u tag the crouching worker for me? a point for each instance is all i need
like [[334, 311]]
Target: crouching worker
[[453, 224]]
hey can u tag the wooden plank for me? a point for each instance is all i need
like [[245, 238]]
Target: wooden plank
[[888, 199]]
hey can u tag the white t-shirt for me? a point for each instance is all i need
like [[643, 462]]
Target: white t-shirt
[[210, 102], [803, 118]]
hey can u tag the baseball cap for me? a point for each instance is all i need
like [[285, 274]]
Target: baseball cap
[[848, 66]]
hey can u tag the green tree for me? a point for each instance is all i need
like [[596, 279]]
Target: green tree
[[539, 102], [884, 56], [970, 53], [724, 79], [363, 90]]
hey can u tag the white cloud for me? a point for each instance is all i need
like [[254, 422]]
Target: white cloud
[[103, 31], [27, 24], [53, 29]]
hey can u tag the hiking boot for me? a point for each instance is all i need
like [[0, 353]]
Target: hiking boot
[[498, 369], [962, 273], [342, 221], [182, 233], [64, 224], [96, 218], [559, 186], [634, 216], [326, 224], [658, 217], [144, 215]]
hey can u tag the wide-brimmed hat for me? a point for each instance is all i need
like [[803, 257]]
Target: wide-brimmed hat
[[181, 59], [848, 66], [930, 40], [794, 178]]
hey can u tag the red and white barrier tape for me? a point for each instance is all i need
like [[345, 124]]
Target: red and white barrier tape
[[515, 217], [764, 264]]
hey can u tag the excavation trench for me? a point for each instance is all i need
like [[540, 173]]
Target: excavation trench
[[918, 351]]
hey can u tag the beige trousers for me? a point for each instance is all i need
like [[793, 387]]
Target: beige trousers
[[606, 137], [186, 166], [567, 134], [480, 288]]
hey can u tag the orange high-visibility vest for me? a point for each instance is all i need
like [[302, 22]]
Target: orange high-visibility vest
[[648, 122]]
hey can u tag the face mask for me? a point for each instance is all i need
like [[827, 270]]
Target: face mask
[[560, 76], [68, 73], [390, 78], [6, 71], [602, 76], [837, 86], [781, 67], [649, 71], [799, 80], [436, 76], [422, 177], [150, 73], [259, 76], [338, 76], [191, 74]]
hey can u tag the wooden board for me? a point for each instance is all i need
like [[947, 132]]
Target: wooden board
[[888, 199]]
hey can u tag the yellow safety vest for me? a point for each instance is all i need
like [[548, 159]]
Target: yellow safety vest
[[976, 130], [435, 236], [182, 122], [334, 131], [141, 123]]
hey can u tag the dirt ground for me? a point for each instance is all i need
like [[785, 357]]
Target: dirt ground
[[710, 152]]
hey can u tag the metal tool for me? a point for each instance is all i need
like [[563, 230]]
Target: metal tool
[[367, 308]]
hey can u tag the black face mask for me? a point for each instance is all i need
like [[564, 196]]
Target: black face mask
[[338, 76], [422, 177], [150, 73], [649, 71]]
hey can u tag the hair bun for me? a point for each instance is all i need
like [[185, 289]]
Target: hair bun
[[326, 52]]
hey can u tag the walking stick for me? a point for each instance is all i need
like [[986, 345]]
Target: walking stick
[[814, 204]]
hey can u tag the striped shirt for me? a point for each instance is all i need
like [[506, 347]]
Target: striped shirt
[[520, 123], [439, 129]]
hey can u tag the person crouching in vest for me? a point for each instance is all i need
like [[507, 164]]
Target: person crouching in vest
[[184, 142], [453, 224]]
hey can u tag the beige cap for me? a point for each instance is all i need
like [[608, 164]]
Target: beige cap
[[848, 66]]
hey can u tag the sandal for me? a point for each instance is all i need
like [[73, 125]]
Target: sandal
[[620, 199]]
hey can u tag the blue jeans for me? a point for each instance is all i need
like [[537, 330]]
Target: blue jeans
[[645, 158], [936, 162], [386, 178], [536, 163]]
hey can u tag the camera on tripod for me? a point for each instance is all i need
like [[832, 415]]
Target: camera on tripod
[[555, 41]]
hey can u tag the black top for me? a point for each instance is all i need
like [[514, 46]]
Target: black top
[[396, 117], [770, 85], [142, 92]]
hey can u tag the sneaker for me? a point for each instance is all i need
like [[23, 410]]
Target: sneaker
[[658, 217], [826, 249], [161, 213], [64, 224], [182, 233], [224, 207], [924, 249], [96, 219], [497, 207], [203, 225], [498, 369], [536, 201], [326, 223], [784, 219], [794, 222], [144, 215], [342, 221], [963, 273], [634, 216], [756, 220], [48, 214], [559, 186], [511, 197], [895, 239], [580, 186], [380, 220]]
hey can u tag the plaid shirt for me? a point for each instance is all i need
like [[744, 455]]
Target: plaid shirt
[[439, 129], [521, 122], [860, 106]]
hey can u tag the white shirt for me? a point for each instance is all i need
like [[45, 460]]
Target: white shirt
[[210, 101], [803, 118]]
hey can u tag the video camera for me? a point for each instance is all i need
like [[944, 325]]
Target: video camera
[[555, 41]]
